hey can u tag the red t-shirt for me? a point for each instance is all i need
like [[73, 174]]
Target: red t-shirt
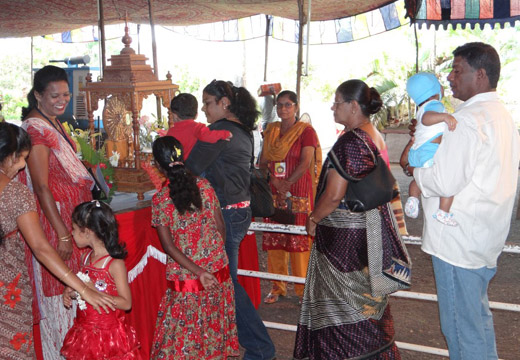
[[189, 131]]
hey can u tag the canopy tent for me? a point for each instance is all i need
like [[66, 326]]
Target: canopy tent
[[41, 17], [463, 12], [342, 30]]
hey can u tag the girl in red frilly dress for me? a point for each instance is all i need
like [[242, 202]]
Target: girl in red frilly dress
[[100, 335], [196, 318]]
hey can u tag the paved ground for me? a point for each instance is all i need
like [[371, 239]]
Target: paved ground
[[416, 322]]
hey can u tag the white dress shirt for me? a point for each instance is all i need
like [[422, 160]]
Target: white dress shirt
[[478, 163]]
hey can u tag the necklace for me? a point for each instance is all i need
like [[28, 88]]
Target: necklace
[[58, 128], [3, 172]]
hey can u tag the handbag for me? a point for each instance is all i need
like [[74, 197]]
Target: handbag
[[284, 215], [375, 189], [261, 195], [98, 193], [259, 189]]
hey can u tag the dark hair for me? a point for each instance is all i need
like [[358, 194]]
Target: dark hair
[[185, 106], [290, 94], [42, 79], [184, 192], [13, 140], [97, 216], [368, 99], [242, 104], [481, 56]]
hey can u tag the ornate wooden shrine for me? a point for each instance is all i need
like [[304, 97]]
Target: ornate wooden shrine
[[124, 86]]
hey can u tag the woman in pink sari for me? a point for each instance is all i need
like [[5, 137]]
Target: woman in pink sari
[[60, 182]]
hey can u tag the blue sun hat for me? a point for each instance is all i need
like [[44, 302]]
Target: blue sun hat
[[422, 86]]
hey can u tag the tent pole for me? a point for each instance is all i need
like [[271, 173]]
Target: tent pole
[[308, 38], [154, 54], [301, 16], [101, 28], [32, 59], [267, 25], [416, 48]]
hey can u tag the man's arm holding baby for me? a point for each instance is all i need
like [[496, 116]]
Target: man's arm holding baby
[[454, 163]]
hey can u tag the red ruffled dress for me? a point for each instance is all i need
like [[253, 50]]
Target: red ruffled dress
[[96, 336]]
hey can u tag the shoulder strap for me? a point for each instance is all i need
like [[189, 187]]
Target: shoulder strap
[[107, 262], [337, 166], [101, 258], [87, 257]]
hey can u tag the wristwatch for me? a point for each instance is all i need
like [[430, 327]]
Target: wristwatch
[[405, 170]]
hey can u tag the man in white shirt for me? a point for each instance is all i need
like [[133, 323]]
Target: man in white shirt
[[478, 164]]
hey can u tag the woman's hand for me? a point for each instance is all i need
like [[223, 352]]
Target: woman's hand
[[97, 299], [310, 226], [209, 281], [285, 186], [68, 295], [64, 249]]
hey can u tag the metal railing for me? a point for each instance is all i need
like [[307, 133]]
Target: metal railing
[[410, 240]]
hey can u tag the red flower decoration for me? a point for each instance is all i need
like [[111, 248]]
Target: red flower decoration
[[19, 339], [102, 165], [12, 297]]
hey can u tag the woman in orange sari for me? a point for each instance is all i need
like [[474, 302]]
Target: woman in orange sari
[[292, 155]]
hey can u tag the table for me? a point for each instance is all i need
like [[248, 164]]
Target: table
[[146, 266]]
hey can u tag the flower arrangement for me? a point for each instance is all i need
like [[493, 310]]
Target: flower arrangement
[[85, 278], [95, 158], [149, 130]]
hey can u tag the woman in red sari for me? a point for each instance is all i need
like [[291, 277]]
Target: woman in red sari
[[292, 154], [60, 182]]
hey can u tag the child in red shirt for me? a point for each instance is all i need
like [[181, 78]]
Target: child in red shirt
[[186, 129]]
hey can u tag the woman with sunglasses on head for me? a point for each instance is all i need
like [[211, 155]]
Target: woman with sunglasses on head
[[292, 155], [226, 164], [60, 182]]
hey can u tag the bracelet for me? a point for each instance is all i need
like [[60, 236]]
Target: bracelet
[[64, 276], [311, 218], [405, 170], [65, 238], [82, 292]]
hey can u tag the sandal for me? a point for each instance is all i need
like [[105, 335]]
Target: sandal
[[271, 298]]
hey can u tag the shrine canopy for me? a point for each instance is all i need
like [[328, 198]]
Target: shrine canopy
[[463, 12], [42, 17]]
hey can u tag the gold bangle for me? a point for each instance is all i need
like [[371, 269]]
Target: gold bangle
[[311, 218], [64, 276], [65, 238]]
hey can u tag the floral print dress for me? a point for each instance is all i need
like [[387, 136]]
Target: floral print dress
[[16, 325], [193, 323]]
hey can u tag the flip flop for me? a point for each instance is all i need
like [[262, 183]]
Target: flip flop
[[271, 298]]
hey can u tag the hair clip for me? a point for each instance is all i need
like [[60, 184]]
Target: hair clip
[[173, 163], [178, 152], [97, 203]]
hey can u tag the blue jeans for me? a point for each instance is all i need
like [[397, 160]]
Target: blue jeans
[[466, 321], [252, 334]]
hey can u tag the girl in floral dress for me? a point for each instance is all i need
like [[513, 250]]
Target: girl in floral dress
[[196, 318], [100, 335]]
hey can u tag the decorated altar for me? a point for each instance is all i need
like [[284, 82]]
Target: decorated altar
[[124, 86]]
